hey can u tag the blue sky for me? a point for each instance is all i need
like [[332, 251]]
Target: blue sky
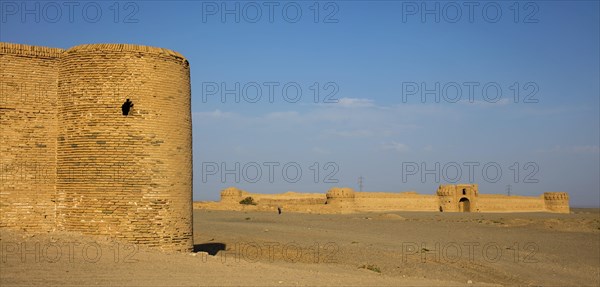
[[365, 56]]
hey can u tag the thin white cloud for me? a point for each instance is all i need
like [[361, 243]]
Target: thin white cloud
[[216, 114], [355, 103], [395, 146], [288, 115], [480, 103]]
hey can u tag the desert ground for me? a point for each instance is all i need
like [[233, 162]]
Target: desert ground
[[292, 249]]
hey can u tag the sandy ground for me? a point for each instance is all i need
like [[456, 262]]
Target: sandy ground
[[371, 249]]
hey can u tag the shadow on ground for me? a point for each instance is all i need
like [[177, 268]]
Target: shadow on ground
[[210, 248]]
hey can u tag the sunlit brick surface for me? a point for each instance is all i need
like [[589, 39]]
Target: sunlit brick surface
[[28, 127], [124, 176]]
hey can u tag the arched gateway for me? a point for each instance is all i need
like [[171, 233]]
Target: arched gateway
[[464, 205]]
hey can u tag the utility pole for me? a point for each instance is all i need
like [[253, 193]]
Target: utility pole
[[508, 188], [360, 183]]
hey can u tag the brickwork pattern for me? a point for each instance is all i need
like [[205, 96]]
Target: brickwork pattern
[[28, 110], [125, 176]]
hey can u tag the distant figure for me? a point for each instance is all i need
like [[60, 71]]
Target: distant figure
[[279, 209], [127, 105]]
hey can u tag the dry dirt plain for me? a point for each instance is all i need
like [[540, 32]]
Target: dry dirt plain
[[371, 249]]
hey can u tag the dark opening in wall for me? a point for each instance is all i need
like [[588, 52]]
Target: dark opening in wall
[[464, 191], [126, 107]]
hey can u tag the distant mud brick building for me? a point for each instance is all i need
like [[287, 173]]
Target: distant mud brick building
[[557, 202], [448, 198], [458, 198], [72, 161], [232, 195]]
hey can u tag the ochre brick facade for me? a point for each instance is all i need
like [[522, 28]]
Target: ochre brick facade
[[104, 173]]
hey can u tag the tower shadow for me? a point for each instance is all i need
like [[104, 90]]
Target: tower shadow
[[210, 248]]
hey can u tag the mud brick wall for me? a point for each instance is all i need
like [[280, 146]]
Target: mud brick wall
[[447, 199], [557, 201], [379, 201], [124, 176], [28, 109], [514, 203]]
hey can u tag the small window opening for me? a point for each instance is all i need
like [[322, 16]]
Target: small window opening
[[126, 107]]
